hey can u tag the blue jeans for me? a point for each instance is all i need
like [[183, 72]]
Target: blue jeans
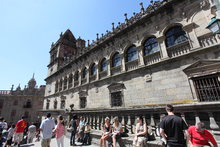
[[72, 137]]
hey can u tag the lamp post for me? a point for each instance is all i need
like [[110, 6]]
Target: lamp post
[[214, 24]]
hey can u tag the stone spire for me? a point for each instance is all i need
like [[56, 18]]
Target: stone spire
[[32, 83]]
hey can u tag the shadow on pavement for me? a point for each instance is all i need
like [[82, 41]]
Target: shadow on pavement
[[26, 145]]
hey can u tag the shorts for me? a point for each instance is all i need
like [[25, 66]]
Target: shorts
[[45, 142], [18, 137]]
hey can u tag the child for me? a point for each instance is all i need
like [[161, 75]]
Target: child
[[11, 131], [86, 139]]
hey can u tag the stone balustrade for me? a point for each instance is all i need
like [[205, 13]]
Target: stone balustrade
[[131, 65], [92, 78], [209, 40], [83, 81], [179, 49], [116, 70], [103, 74], [152, 58], [207, 113]]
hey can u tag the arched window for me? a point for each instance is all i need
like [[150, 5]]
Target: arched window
[[76, 76], [65, 83], [70, 81], [150, 46], [116, 60], [103, 65], [93, 69], [84, 73], [61, 85], [175, 35], [55, 104], [131, 54], [56, 86]]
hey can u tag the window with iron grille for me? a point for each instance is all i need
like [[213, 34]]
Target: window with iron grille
[[116, 99], [207, 87], [47, 105], [62, 104], [83, 102]]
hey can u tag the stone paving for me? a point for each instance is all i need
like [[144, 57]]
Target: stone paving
[[54, 144]]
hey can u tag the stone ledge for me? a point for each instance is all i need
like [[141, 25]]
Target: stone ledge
[[127, 141]]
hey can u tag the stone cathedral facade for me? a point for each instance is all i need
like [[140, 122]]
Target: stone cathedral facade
[[163, 54]]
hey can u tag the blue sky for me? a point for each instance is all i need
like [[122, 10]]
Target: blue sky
[[28, 27]]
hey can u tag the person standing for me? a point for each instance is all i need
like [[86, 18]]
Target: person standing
[[31, 133], [47, 127], [86, 138], [73, 130], [81, 128], [3, 124], [172, 129], [199, 136], [19, 130], [60, 131], [11, 131]]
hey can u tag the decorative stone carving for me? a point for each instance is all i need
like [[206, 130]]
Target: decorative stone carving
[[114, 87], [148, 78]]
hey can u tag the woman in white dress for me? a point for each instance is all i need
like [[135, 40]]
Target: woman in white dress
[[140, 138], [117, 130]]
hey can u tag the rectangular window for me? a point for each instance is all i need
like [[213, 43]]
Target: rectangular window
[[207, 87], [83, 102], [116, 99]]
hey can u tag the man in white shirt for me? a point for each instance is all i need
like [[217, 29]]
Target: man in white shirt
[[47, 127], [3, 125]]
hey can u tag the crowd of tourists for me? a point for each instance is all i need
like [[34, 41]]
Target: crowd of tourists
[[172, 129]]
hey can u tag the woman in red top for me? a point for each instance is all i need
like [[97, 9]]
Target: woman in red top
[[199, 136]]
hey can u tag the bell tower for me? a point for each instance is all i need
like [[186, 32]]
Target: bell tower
[[62, 51]]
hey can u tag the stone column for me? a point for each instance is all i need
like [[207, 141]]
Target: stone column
[[109, 68], [80, 77], [214, 126], [140, 55], [197, 119], [92, 124], [97, 71], [163, 49], [193, 40], [67, 82], [129, 125], [183, 117], [87, 76], [123, 67]]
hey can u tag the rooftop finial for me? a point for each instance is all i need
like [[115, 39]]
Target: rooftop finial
[[102, 35], [88, 43], [113, 27], [61, 34], [12, 87], [142, 7], [134, 13], [33, 76], [97, 36], [126, 17], [52, 44]]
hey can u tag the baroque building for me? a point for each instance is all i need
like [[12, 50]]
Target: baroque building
[[163, 54], [22, 102]]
